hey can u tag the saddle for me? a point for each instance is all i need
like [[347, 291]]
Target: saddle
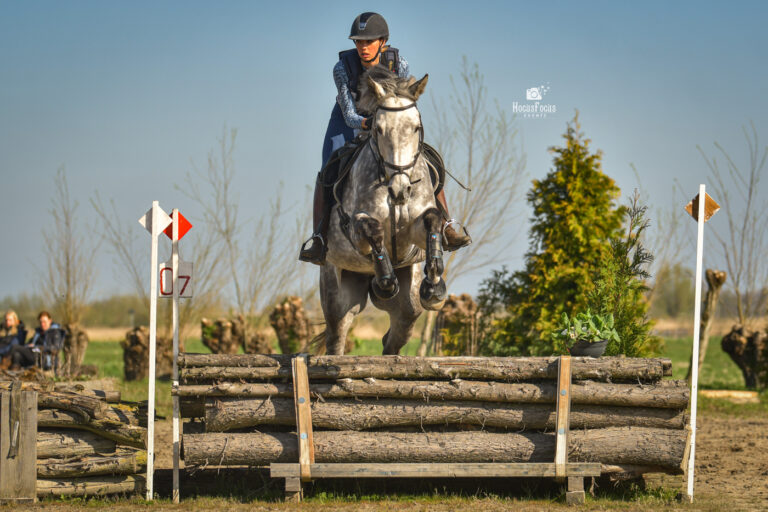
[[335, 171]]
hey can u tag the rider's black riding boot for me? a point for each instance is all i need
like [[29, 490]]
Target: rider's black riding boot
[[452, 239], [321, 213]]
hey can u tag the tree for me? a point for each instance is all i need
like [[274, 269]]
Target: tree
[[270, 267], [574, 218], [620, 286], [69, 272], [744, 245], [481, 142]]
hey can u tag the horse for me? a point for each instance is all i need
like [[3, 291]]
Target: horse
[[386, 222]]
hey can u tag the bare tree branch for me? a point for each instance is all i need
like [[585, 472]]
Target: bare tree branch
[[744, 246], [70, 271], [484, 149]]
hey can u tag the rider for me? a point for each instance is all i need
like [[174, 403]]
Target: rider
[[370, 34]]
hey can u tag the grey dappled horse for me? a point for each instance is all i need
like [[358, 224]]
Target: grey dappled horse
[[392, 222]]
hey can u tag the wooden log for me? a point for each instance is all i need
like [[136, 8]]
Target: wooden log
[[122, 433], [664, 394], [72, 443], [624, 445], [124, 462], [187, 360], [128, 414], [222, 415], [60, 395], [405, 367], [86, 406], [91, 486], [5, 385], [73, 387]]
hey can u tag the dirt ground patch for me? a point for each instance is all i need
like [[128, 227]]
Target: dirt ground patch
[[732, 460]]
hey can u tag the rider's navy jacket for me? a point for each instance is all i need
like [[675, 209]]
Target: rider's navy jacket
[[347, 73]]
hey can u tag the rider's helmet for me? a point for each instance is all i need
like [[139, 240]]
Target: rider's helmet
[[369, 26]]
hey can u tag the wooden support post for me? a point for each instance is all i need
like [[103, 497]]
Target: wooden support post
[[18, 445], [563, 408], [575, 493], [303, 416], [293, 490]]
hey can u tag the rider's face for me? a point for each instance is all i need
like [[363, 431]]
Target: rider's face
[[367, 48]]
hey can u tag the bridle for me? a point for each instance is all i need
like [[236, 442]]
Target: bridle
[[382, 163]]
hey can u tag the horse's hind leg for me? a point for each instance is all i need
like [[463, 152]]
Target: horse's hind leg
[[432, 292], [342, 299]]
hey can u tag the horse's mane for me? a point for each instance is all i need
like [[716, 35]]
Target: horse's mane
[[392, 84]]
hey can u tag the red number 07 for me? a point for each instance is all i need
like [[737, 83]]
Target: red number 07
[[166, 283]]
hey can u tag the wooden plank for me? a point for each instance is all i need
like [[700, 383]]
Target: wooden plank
[[436, 470], [303, 416], [293, 490], [575, 493], [18, 446], [563, 408]]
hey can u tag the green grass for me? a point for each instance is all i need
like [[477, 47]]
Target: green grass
[[373, 347], [718, 370]]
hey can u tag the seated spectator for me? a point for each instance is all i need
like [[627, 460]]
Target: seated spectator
[[12, 333], [47, 340]]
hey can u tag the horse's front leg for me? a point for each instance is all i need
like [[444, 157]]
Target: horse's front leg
[[432, 292], [385, 284]]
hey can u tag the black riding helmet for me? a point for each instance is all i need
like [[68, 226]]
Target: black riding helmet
[[369, 26]]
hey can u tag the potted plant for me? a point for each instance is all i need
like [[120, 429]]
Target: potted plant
[[586, 334]]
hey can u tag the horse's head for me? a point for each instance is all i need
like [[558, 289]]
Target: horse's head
[[396, 130]]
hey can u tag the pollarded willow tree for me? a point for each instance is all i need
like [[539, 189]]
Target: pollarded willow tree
[[574, 217]]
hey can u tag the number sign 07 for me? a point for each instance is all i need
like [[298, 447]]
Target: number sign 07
[[165, 290]]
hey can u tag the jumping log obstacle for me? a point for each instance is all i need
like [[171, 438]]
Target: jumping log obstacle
[[362, 417]]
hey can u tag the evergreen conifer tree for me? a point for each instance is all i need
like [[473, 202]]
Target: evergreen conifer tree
[[574, 217]]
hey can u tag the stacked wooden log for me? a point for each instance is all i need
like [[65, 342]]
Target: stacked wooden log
[[440, 409], [89, 443]]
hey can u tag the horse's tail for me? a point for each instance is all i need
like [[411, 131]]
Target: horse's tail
[[316, 346]]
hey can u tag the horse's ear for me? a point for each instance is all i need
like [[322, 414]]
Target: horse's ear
[[416, 89], [377, 89]]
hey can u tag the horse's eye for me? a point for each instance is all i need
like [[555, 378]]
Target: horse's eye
[[415, 128], [378, 129]]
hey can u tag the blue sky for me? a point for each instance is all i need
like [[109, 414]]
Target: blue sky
[[127, 94]]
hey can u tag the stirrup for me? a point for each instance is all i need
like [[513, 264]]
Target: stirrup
[[449, 247], [311, 255]]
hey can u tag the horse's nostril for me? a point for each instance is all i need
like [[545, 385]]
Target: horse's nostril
[[408, 191]]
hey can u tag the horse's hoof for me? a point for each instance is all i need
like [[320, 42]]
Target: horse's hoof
[[432, 296], [388, 288]]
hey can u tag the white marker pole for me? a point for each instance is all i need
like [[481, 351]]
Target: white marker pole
[[696, 328], [175, 314], [152, 352]]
